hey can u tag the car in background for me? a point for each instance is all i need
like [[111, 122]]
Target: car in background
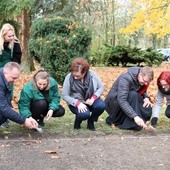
[[166, 53]]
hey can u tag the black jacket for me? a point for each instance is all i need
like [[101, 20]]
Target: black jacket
[[16, 53], [120, 91]]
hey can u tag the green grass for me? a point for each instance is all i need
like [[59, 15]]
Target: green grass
[[63, 127]]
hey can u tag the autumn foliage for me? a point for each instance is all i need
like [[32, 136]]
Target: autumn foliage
[[107, 74]]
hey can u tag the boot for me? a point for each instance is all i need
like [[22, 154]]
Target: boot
[[90, 125], [154, 121], [77, 123], [41, 122]]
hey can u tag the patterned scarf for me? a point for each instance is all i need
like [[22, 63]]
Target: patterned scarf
[[82, 90]]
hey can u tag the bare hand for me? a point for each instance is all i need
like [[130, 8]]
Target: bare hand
[[30, 123], [139, 122], [82, 107], [89, 101], [49, 114], [146, 103]]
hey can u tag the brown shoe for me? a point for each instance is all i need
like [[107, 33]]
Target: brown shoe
[[151, 129]]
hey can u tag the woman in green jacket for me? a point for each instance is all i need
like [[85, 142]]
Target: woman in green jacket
[[40, 98]]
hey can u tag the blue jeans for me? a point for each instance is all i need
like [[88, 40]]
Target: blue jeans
[[93, 112]]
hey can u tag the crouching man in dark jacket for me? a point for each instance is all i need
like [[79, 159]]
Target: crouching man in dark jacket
[[127, 103], [8, 75]]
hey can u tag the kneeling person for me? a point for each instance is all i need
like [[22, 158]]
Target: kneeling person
[[127, 102], [40, 98]]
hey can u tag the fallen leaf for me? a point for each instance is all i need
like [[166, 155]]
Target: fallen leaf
[[50, 152], [55, 157], [6, 132]]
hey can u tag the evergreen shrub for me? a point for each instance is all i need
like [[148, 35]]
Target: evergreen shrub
[[55, 42]]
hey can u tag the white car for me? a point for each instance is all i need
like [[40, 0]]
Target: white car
[[165, 52]]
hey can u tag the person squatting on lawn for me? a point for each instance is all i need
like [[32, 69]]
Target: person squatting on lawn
[[163, 83], [10, 50], [82, 89], [127, 103], [8, 75], [40, 98]]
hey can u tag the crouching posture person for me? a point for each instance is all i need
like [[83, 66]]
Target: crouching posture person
[[8, 75], [163, 83], [40, 98], [127, 103], [82, 89]]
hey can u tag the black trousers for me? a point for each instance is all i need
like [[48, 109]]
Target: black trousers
[[167, 111], [123, 121], [39, 109]]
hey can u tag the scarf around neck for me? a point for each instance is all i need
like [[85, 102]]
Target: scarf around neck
[[82, 90]]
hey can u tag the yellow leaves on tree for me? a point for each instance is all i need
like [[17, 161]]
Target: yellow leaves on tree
[[151, 16]]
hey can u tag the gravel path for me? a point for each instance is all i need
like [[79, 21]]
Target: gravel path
[[93, 153]]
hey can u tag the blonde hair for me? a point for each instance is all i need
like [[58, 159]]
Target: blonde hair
[[5, 28], [42, 74]]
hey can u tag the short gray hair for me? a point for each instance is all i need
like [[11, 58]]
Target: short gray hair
[[147, 71], [11, 65]]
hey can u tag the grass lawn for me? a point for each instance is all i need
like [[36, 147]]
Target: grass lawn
[[63, 127]]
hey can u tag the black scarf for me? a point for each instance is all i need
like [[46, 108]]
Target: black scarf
[[82, 90]]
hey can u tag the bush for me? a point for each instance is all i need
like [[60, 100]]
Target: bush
[[116, 55], [55, 42]]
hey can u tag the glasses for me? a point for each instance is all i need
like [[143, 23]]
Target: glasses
[[78, 75], [14, 78]]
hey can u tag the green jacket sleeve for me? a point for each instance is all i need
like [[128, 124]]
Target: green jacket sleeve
[[54, 97], [24, 102]]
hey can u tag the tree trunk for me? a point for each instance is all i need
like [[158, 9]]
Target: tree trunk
[[27, 61]]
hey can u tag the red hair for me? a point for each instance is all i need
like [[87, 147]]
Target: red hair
[[165, 75], [80, 64]]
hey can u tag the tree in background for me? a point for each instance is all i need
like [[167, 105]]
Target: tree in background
[[152, 17]]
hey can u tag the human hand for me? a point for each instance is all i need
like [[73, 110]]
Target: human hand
[[147, 102], [49, 114], [89, 101], [30, 123], [82, 107], [139, 122]]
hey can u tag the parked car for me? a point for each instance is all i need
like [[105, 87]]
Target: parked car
[[166, 53]]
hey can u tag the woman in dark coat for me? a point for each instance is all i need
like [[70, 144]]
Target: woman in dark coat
[[127, 103]]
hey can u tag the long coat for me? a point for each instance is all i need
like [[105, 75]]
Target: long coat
[[117, 98]]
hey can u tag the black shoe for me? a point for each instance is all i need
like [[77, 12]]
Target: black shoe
[[154, 121], [41, 122], [109, 120], [77, 124], [90, 125], [5, 124]]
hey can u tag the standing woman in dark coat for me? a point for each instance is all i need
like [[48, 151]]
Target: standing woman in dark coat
[[127, 103], [10, 50]]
